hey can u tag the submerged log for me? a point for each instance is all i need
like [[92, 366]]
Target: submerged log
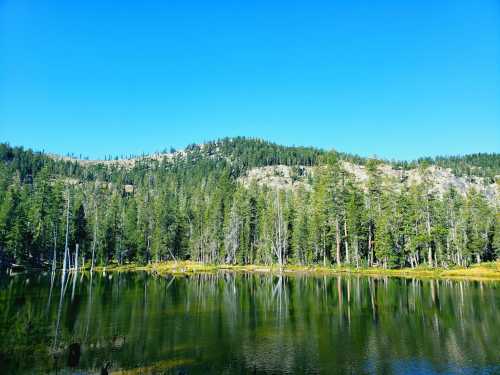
[[74, 354]]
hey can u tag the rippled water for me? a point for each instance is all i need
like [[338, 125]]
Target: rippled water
[[228, 323]]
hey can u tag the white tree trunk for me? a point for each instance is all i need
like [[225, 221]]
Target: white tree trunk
[[76, 258], [66, 250]]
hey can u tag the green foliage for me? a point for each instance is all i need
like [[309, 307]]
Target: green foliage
[[192, 207]]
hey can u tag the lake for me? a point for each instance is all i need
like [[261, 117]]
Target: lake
[[238, 323]]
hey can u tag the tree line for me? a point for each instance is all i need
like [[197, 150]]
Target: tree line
[[193, 207]]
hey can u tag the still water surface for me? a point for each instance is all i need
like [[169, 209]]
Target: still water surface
[[227, 323]]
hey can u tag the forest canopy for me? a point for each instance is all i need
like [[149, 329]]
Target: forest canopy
[[190, 205]]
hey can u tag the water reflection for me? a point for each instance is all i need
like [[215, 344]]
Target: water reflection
[[246, 323]]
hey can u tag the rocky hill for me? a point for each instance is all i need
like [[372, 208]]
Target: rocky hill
[[283, 167], [248, 201], [442, 179]]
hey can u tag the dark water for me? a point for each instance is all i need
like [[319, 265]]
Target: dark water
[[230, 323]]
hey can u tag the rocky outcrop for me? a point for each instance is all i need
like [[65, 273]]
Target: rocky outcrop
[[285, 177], [278, 177]]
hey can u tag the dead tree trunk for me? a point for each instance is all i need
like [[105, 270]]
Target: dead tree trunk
[[429, 246], [54, 256], [76, 258], [95, 240], [370, 250], [337, 238], [346, 243], [66, 250]]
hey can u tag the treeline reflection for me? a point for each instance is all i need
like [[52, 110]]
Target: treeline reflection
[[242, 322]]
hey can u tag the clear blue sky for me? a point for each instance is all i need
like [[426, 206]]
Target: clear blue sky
[[399, 79]]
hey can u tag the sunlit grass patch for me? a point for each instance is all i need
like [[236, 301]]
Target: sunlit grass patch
[[155, 368], [487, 270], [482, 270]]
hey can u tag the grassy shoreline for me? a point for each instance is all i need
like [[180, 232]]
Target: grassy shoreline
[[482, 271]]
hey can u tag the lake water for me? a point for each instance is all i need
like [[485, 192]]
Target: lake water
[[232, 323]]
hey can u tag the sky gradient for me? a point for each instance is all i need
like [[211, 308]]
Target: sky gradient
[[397, 79]]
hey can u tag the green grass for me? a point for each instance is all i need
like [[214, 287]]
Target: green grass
[[155, 368], [482, 271]]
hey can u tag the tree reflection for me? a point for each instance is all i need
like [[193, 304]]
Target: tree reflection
[[241, 322]]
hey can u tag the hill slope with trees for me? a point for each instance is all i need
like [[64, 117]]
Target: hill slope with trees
[[201, 204]]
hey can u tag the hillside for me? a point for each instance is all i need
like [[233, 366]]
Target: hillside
[[265, 163], [239, 200], [248, 153], [443, 179]]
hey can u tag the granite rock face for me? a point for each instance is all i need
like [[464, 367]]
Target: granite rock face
[[441, 179]]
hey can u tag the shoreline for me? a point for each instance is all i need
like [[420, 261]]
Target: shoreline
[[489, 271]]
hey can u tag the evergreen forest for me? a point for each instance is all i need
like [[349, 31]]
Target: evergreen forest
[[192, 205]]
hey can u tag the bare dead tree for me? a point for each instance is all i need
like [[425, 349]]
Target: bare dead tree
[[232, 238], [280, 237], [66, 249]]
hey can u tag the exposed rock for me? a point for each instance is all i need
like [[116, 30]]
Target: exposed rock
[[128, 163], [285, 177], [278, 177], [128, 188]]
